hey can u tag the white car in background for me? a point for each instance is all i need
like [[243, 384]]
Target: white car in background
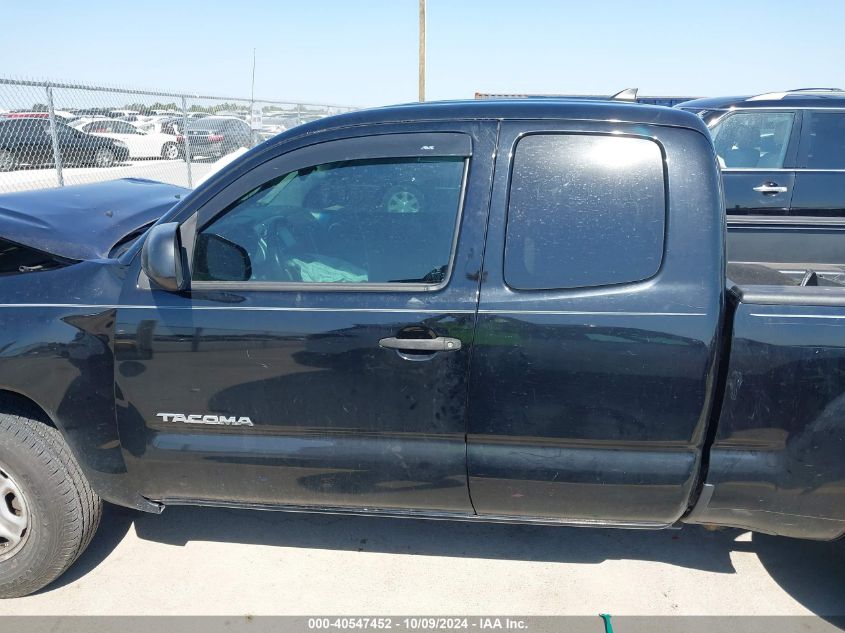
[[156, 125], [141, 143]]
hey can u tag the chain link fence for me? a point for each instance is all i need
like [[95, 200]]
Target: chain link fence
[[57, 134]]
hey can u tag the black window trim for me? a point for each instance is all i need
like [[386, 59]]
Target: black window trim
[[666, 201], [396, 145]]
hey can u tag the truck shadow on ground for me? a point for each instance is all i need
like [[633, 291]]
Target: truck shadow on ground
[[811, 572]]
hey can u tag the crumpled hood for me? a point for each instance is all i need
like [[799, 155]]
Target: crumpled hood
[[84, 221]]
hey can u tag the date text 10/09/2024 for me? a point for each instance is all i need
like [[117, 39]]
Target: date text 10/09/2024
[[432, 623]]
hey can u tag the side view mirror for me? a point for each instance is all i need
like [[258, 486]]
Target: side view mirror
[[219, 259], [161, 257]]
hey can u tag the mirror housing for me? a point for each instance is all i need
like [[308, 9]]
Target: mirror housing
[[161, 257]]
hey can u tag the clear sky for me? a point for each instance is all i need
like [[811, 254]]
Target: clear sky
[[364, 52]]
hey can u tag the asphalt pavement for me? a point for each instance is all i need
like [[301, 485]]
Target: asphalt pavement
[[239, 562]]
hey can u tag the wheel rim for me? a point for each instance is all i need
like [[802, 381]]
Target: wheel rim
[[6, 160], [171, 151], [403, 202], [103, 158], [14, 516]]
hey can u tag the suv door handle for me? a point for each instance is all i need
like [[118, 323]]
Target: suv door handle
[[439, 344], [770, 187]]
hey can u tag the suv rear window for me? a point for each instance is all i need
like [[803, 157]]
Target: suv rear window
[[826, 140], [584, 210]]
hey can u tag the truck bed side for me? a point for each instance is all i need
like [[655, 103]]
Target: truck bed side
[[786, 241], [776, 463]]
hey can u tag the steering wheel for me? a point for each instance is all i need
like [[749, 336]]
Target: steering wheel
[[290, 235], [277, 250]]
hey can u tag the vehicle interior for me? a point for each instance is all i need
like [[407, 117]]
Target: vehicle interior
[[369, 221], [752, 140]]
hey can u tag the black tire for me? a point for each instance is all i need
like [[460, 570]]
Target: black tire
[[8, 161], [61, 509], [170, 151], [104, 157]]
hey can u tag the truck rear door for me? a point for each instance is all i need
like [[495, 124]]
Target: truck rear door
[[333, 372], [593, 366]]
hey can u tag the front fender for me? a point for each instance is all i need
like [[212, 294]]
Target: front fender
[[59, 355]]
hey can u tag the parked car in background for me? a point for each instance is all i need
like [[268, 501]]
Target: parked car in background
[[235, 133], [237, 114], [61, 115], [26, 115], [781, 153], [272, 130], [164, 125], [29, 142], [141, 143], [107, 113], [202, 142]]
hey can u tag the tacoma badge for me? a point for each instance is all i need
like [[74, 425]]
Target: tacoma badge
[[225, 420]]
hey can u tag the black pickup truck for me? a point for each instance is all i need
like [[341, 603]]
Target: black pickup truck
[[490, 310]]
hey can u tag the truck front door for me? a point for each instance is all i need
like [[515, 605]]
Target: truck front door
[[320, 357]]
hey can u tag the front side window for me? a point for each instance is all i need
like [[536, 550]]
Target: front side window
[[361, 221], [825, 141], [753, 140], [584, 210]]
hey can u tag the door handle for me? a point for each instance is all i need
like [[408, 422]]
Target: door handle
[[770, 187], [439, 344]]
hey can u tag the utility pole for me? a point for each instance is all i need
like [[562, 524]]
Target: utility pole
[[254, 121], [252, 88], [422, 50]]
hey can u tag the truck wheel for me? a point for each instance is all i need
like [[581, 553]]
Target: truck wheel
[[48, 512], [403, 199], [170, 151]]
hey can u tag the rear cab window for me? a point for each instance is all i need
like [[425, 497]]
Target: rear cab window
[[584, 210]]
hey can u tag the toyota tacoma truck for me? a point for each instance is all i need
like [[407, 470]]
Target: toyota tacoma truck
[[513, 311]]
